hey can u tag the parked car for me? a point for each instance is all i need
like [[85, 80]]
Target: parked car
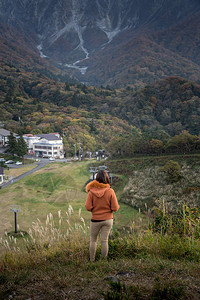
[[51, 158], [2, 159], [9, 162], [18, 163]]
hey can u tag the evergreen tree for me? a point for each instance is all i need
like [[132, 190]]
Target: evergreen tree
[[21, 147], [12, 144]]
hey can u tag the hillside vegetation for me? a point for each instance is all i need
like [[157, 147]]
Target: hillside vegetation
[[148, 187], [138, 62], [33, 103], [18, 50]]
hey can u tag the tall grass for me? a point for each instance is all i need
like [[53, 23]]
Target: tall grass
[[168, 236], [48, 246], [58, 232]]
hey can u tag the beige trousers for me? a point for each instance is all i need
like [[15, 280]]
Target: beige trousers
[[103, 228]]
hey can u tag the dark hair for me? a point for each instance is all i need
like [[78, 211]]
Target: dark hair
[[102, 177]]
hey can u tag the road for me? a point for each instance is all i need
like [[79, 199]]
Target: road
[[42, 163]]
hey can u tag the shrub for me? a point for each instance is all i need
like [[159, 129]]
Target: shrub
[[186, 221], [122, 247], [171, 169]]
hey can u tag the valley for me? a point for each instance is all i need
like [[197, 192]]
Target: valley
[[83, 37]]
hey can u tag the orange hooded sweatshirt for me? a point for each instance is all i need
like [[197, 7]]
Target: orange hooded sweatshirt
[[101, 200]]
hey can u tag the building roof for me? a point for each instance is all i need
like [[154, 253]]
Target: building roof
[[1, 171], [49, 137], [29, 135], [5, 132]]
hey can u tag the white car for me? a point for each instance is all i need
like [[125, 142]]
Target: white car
[[51, 158], [9, 162], [18, 163]]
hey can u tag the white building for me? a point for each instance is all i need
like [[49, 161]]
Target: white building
[[45, 145], [30, 139]]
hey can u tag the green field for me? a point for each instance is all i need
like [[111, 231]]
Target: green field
[[49, 190], [58, 185]]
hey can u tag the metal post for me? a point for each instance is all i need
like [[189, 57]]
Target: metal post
[[15, 222], [111, 178], [79, 148], [75, 151], [93, 170]]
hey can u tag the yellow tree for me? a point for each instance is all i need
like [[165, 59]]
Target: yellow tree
[[156, 146]]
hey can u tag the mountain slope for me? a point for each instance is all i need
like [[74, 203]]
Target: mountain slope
[[32, 102], [17, 49], [139, 61], [172, 104], [183, 38], [81, 36]]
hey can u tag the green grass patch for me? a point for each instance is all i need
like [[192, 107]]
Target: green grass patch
[[46, 181], [51, 189]]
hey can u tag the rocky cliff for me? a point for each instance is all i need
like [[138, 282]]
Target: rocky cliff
[[70, 32]]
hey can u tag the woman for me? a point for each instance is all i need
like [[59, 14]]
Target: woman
[[101, 201]]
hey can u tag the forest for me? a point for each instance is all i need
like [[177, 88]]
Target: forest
[[158, 118]]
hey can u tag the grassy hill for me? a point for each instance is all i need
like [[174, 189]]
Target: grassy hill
[[160, 261], [49, 190]]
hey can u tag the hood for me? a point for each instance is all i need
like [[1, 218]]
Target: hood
[[97, 188]]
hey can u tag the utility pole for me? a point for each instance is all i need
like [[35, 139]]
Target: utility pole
[[79, 148], [75, 157]]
